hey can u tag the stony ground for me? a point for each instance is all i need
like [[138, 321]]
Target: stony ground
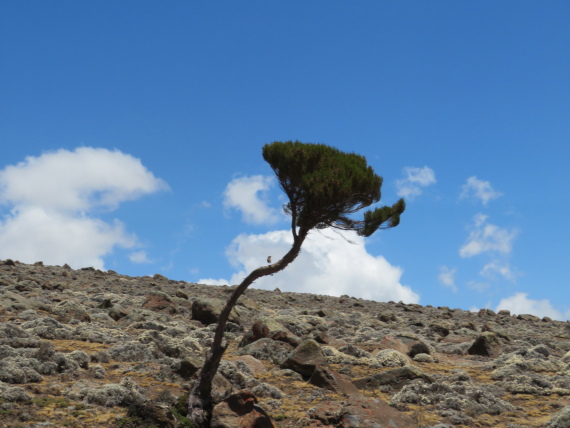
[[87, 348]]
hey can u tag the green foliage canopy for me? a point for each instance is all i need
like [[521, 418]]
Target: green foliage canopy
[[326, 185]]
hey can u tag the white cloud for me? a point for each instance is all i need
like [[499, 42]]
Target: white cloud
[[519, 303], [478, 286], [328, 264], [139, 257], [496, 267], [213, 281], [77, 181], [416, 178], [447, 277], [52, 196], [246, 195], [486, 237], [479, 189]]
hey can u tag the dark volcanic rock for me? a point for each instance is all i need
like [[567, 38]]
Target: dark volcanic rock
[[207, 311], [486, 345]]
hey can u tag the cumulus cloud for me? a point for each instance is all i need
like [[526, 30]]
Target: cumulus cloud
[[447, 277], [498, 268], [486, 237], [82, 180], [519, 303], [416, 178], [247, 194], [52, 199], [479, 189], [328, 264]]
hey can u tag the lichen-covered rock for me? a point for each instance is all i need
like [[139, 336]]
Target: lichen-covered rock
[[391, 358], [457, 395], [423, 358], [133, 351], [268, 349], [354, 351], [561, 419], [240, 378], [126, 393], [69, 310]]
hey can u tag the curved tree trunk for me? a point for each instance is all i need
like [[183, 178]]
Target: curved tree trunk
[[200, 404]]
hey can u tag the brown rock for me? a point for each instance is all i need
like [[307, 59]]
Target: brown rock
[[329, 379], [360, 412], [240, 410], [391, 342], [305, 358], [256, 366], [370, 412], [159, 302]]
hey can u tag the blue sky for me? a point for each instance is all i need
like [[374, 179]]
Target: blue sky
[[131, 137]]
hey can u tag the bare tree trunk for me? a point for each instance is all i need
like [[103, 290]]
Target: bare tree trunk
[[200, 404]]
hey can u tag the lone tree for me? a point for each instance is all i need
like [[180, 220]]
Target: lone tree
[[324, 186]]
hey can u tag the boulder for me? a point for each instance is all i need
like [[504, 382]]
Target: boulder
[[159, 302], [269, 328], [69, 310], [396, 377], [391, 358], [254, 365], [561, 419], [240, 410], [360, 412], [268, 349], [207, 311], [329, 379], [487, 345], [305, 358]]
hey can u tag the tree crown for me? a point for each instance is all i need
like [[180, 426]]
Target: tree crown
[[325, 185]]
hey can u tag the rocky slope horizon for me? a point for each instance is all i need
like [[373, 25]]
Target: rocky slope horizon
[[88, 348]]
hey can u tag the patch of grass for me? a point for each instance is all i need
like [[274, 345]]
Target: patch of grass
[[56, 402], [180, 410]]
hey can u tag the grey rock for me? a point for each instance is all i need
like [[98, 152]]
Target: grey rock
[[268, 349], [561, 419], [395, 377]]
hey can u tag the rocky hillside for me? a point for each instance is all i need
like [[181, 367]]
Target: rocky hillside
[[86, 348]]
